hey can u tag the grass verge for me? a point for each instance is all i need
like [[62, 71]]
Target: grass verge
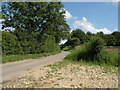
[[107, 58], [13, 58]]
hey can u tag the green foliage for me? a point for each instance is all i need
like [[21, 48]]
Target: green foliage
[[74, 42], [117, 37], [48, 44], [110, 40], [78, 34], [95, 46], [106, 57], [10, 45], [93, 52], [39, 27], [12, 58], [75, 54], [100, 34], [89, 34], [76, 38], [43, 18]]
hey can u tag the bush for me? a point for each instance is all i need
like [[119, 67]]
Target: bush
[[74, 42], [93, 52], [94, 47], [48, 44], [10, 45]]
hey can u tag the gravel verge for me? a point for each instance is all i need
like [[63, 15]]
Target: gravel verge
[[70, 76]]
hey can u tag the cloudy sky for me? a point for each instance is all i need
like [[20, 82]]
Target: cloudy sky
[[92, 16]]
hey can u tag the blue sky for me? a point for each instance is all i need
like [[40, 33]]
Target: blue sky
[[92, 16]]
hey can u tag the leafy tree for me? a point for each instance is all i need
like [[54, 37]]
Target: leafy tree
[[34, 20], [79, 34], [24, 16], [48, 44], [89, 34], [41, 17], [10, 45], [101, 34], [110, 40], [74, 42], [116, 34]]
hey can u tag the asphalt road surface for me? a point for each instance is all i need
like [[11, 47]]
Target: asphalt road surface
[[15, 67]]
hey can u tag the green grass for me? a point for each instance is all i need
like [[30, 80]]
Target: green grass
[[107, 58], [13, 58], [113, 53]]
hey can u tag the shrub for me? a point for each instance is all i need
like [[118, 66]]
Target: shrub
[[94, 47], [74, 42], [10, 45], [49, 45], [93, 52]]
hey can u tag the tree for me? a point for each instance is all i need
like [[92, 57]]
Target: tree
[[79, 34], [10, 45], [55, 24], [110, 40], [31, 17], [101, 34], [89, 34], [73, 42], [116, 34], [48, 44], [34, 20]]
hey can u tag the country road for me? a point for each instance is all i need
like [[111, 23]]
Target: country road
[[15, 67]]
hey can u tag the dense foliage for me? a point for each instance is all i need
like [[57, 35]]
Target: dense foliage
[[93, 52], [109, 39], [39, 27]]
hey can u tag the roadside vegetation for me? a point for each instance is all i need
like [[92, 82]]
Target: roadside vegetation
[[34, 33], [34, 29], [94, 49], [39, 33], [13, 58]]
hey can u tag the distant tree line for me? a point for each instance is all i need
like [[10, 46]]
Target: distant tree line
[[39, 27], [78, 37]]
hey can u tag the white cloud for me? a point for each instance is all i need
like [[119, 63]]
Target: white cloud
[[67, 14], [88, 26]]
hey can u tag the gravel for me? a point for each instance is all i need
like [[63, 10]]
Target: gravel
[[71, 76]]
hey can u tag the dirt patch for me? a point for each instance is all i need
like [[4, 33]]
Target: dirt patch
[[71, 76]]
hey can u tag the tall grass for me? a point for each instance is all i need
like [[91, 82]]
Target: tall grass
[[107, 57], [94, 52]]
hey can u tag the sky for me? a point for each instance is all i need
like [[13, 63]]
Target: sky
[[92, 16]]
